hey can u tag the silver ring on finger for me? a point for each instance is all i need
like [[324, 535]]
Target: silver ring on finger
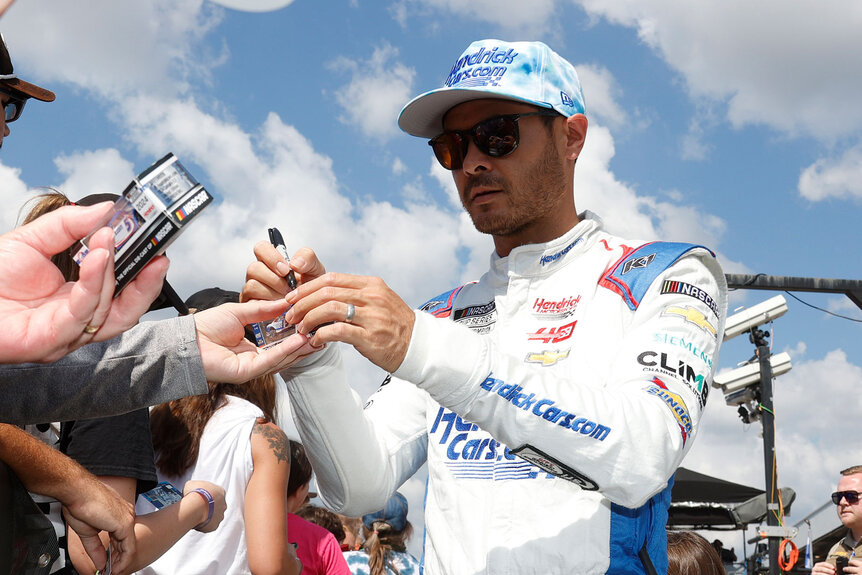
[[351, 313]]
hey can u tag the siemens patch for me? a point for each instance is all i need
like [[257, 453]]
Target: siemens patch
[[685, 344], [545, 408]]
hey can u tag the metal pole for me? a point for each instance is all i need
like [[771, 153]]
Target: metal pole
[[768, 421]]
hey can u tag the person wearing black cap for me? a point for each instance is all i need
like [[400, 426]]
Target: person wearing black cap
[[14, 92], [554, 397]]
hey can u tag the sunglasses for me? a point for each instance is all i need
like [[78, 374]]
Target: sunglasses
[[496, 137], [13, 107], [852, 497]]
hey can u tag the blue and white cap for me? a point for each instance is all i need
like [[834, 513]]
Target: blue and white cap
[[395, 513], [521, 71]]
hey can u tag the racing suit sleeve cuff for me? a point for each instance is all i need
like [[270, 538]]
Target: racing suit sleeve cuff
[[444, 358]]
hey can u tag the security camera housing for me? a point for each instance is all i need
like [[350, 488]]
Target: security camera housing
[[754, 316], [748, 375]]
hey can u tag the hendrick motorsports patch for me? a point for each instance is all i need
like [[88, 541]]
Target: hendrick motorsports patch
[[540, 459]]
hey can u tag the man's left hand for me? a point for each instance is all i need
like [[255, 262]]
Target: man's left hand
[[381, 326]]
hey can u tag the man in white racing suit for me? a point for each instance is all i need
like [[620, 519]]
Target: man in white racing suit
[[554, 398]]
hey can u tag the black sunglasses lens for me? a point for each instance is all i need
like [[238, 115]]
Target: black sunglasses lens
[[851, 496], [13, 110], [497, 137], [449, 149]]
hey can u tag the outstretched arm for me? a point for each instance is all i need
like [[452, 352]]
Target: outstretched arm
[[155, 532], [152, 363], [89, 505]]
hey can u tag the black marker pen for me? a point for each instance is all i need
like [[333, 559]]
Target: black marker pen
[[276, 240]]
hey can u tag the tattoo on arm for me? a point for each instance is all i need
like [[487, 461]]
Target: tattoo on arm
[[276, 438]]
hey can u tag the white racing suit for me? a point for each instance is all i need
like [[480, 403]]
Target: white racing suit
[[553, 400]]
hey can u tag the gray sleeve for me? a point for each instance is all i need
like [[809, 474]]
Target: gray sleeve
[[152, 363]]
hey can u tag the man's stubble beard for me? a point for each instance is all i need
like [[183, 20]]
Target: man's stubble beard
[[536, 199]]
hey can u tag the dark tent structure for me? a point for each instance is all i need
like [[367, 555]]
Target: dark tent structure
[[699, 501]]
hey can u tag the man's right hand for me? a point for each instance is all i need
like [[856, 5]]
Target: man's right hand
[[94, 507], [854, 567], [265, 277]]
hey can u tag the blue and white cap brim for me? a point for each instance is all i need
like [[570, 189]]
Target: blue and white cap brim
[[423, 115]]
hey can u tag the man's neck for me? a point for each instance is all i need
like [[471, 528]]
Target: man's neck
[[504, 245]]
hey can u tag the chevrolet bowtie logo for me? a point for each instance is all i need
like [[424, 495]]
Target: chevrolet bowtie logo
[[691, 315], [547, 357]]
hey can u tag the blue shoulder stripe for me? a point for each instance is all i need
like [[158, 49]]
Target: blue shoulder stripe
[[633, 274]]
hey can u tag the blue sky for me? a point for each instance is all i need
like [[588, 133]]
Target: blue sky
[[728, 123]]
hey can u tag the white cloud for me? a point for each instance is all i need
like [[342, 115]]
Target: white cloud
[[254, 5], [515, 17], [603, 91], [12, 189], [377, 90], [98, 172], [843, 305], [773, 63], [833, 177], [114, 47], [399, 168], [628, 214]]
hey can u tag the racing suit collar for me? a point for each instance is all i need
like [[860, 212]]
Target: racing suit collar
[[545, 258]]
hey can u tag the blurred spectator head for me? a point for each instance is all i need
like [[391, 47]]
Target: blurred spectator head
[[394, 514], [386, 530], [352, 533], [14, 92], [323, 517], [690, 554], [300, 476]]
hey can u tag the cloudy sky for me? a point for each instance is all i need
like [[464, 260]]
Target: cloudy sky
[[734, 124]]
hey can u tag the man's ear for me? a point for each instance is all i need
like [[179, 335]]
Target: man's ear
[[576, 135]]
